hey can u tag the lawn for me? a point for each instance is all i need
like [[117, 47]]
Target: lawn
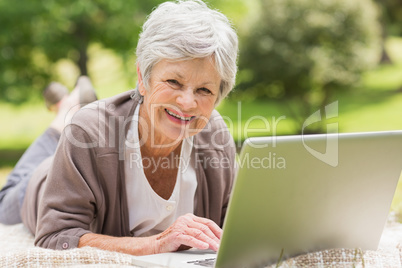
[[375, 105]]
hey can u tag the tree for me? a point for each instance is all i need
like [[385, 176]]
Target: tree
[[301, 51], [36, 34], [18, 69], [391, 22], [391, 16]]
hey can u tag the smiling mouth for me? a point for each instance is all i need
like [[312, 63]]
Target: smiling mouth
[[179, 117]]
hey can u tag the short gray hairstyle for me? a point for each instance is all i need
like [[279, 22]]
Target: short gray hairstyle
[[185, 30]]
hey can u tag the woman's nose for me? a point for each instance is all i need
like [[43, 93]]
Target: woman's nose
[[186, 100]]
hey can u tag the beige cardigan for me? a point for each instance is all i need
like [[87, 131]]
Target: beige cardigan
[[83, 185]]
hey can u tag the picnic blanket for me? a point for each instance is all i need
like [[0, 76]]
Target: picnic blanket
[[18, 250]]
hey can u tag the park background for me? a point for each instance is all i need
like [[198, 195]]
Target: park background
[[296, 57]]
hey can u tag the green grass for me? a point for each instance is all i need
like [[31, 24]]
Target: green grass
[[258, 118], [21, 124]]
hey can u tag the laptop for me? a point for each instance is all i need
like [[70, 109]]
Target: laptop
[[300, 194]]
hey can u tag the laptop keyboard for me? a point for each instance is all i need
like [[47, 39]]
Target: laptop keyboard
[[205, 262]]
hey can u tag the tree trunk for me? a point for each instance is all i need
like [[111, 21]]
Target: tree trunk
[[82, 61], [385, 59], [82, 43]]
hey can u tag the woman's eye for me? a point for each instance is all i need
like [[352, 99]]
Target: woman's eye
[[205, 90], [173, 82]]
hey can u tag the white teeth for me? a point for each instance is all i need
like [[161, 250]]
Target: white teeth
[[178, 116]]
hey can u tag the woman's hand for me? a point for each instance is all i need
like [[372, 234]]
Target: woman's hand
[[186, 232], [189, 231]]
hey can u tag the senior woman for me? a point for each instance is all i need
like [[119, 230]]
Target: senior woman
[[149, 170]]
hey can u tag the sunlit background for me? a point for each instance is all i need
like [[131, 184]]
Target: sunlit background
[[296, 57]]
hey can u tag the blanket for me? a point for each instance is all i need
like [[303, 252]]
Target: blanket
[[17, 250]]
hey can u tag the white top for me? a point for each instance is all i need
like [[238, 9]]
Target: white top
[[149, 213]]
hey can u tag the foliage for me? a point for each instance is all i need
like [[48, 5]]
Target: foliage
[[304, 50], [17, 67], [391, 16], [36, 34], [391, 23]]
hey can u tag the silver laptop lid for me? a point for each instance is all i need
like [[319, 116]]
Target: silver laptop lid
[[305, 193]]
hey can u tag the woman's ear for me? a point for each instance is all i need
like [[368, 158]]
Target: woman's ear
[[141, 87]]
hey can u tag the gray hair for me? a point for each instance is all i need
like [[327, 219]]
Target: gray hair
[[185, 30]]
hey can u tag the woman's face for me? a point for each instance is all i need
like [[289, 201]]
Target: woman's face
[[180, 98]]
